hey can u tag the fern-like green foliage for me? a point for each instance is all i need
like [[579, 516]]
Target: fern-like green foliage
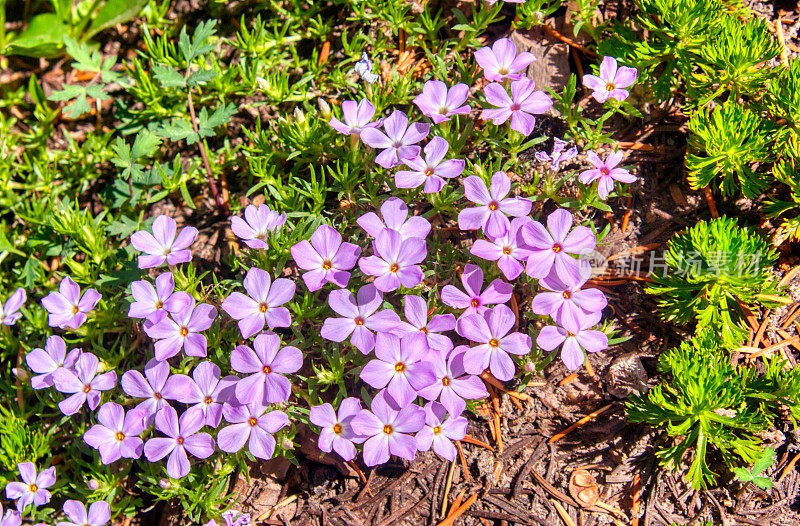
[[725, 143], [19, 442], [713, 267], [713, 405]]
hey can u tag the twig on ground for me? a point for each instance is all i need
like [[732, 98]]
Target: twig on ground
[[563, 513], [590, 416]]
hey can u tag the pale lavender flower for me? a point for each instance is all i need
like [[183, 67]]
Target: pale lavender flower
[[559, 155], [606, 173], [431, 170], [501, 61], [574, 342], [491, 330], [395, 216], [453, 385], [519, 107], [567, 303], [388, 426], [151, 386], [182, 331], [262, 304], [611, 81], [182, 437], [359, 317], [440, 103], [117, 434], [325, 258], [395, 262], [99, 513], [357, 116], [258, 222], [10, 517], [416, 310], [336, 433], [440, 430], [251, 425], [47, 361], [398, 366], [508, 250], [266, 363], [232, 518], [475, 301], [85, 382], [494, 207], [205, 389], [163, 245], [398, 141], [149, 300], [33, 488], [552, 248], [9, 311], [67, 308]]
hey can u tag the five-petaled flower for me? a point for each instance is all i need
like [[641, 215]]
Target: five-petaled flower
[[559, 155], [152, 387], [574, 342], [258, 222], [395, 216], [163, 244], [359, 317], [430, 170], [262, 304], [552, 249], [357, 116], [266, 363], [9, 311], [388, 426], [605, 173], [325, 258], [508, 250], [440, 103], [475, 301], [99, 513], [491, 331], [117, 434], [47, 361], [453, 385], [494, 207], [401, 367], [149, 300], [501, 61], [336, 433], [67, 308], [205, 389], [253, 425], [181, 331], [440, 430], [395, 262], [416, 310], [84, 383], [567, 303], [398, 142], [182, 436], [33, 488], [520, 106], [611, 82]]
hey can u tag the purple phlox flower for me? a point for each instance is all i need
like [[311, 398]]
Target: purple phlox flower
[[399, 140], [9, 311], [440, 430], [567, 303], [148, 299], [501, 61], [67, 308], [163, 244], [440, 103], [99, 513], [151, 387], [10, 517], [262, 304], [336, 433], [395, 216], [453, 385], [388, 425], [611, 81], [236, 518], [491, 331], [552, 248], [84, 381], [520, 106], [251, 424], [357, 116], [605, 172], [182, 331], [574, 342], [398, 366], [325, 258], [205, 389], [258, 222], [431, 170], [474, 301], [359, 317], [559, 155], [494, 207], [48, 360], [507, 250], [182, 437], [268, 363], [395, 262], [416, 310], [117, 434], [33, 488]]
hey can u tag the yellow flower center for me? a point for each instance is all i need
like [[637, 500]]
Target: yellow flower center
[[557, 248], [327, 265], [252, 421], [337, 428], [388, 429], [428, 172], [395, 267], [180, 441], [610, 86], [184, 331], [34, 488], [87, 388], [399, 367], [475, 302], [120, 436], [493, 206], [159, 304], [446, 381], [359, 321], [437, 430], [157, 395], [267, 369], [567, 294], [424, 330], [493, 342], [263, 307], [75, 309], [506, 250], [209, 400]]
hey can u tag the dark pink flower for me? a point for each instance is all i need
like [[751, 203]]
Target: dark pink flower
[[508, 250], [205, 389], [416, 311], [567, 303]]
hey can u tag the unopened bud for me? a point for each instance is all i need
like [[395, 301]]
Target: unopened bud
[[324, 108], [300, 116], [22, 374], [530, 367], [287, 444], [165, 484], [93, 484]]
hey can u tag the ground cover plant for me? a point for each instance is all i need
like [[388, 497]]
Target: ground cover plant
[[391, 262]]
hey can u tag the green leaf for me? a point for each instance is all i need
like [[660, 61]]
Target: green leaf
[[178, 129], [198, 45], [168, 77], [5, 244], [766, 460], [44, 37], [115, 12], [145, 144], [221, 115], [201, 77]]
